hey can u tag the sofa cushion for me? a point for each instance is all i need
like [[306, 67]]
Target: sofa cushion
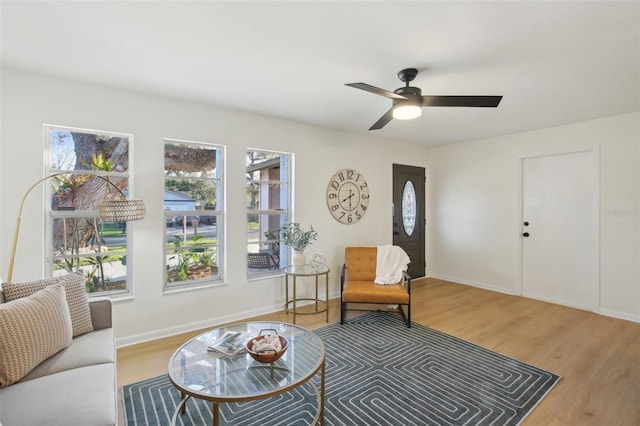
[[31, 330], [82, 396], [77, 298], [97, 347]]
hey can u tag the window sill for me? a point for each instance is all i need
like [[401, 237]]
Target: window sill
[[193, 287], [265, 276]]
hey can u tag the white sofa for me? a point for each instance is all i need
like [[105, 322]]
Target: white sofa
[[75, 386]]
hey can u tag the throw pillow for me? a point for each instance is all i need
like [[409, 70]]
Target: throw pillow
[[31, 330], [77, 298]]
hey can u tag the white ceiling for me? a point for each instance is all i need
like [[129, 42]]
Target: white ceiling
[[555, 62]]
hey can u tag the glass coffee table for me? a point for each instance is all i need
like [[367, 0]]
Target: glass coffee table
[[212, 376]]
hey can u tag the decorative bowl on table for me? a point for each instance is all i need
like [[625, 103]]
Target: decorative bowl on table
[[267, 348]]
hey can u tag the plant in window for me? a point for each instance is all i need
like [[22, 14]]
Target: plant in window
[[294, 236], [78, 242], [99, 162], [207, 258], [273, 239], [193, 263], [191, 186], [180, 271]]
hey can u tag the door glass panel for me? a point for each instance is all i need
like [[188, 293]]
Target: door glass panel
[[409, 207]]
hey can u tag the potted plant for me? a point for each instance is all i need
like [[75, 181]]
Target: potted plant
[[294, 236]]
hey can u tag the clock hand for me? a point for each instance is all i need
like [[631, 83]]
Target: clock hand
[[348, 198]]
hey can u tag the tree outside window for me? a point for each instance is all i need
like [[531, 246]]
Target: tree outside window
[[79, 241]]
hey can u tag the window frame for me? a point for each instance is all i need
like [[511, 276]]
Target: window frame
[[51, 215], [285, 211], [217, 213]]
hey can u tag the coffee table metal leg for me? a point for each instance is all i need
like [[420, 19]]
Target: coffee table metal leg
[[216, 413], [326, 295], [294, 299], [322, 392], [180, 409], [286, 294]]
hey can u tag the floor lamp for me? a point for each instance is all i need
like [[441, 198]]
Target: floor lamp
[[121, 210]]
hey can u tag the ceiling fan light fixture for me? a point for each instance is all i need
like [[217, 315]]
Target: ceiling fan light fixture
[[406, 111], [408, 100]]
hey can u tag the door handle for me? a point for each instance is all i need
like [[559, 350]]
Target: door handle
[[525, 234]]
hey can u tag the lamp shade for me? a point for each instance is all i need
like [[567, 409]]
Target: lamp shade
[[406, 110], [122, 210], [110, 211]]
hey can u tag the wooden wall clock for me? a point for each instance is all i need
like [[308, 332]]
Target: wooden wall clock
[[347, 196]]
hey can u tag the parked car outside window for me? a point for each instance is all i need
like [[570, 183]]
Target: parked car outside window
[[190, 219]]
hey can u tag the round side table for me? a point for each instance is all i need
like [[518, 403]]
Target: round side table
[[306, 271]]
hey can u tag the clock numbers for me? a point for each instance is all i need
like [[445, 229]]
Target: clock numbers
[[347, 196]]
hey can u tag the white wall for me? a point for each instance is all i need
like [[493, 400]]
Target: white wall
[[29, 101], [473, 217], [472, 211]]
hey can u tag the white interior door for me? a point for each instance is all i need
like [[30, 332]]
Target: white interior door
[[559, 233]]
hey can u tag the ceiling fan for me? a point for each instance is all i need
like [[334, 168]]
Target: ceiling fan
[[408, 101]]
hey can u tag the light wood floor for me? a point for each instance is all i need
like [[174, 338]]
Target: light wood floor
[[598, 357]]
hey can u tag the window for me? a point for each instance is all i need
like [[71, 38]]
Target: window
[[268, 208], [192, 203], [77, 239]]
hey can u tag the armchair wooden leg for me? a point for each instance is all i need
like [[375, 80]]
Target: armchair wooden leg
[[342, 311]]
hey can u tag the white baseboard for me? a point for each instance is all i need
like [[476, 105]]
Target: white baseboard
[[478, 284], [199, 325], [619, 315], [601, 311], [239, 316]]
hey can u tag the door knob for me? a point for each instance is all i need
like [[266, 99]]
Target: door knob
[[525, 234]]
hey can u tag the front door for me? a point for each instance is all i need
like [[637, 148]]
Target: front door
[[409, 215]]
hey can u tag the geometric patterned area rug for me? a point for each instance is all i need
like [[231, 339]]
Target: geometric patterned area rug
[[378, 372]]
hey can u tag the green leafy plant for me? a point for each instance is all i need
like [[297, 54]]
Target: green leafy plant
[[184, 258], [273, 239], [188, 260], [207, 258], [101, 163], [294, 235]]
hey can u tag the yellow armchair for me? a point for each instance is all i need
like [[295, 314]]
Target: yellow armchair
[[357, 284]]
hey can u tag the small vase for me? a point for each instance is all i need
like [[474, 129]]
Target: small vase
[[298, 258]]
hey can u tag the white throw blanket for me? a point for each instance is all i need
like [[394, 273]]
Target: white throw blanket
[[391, 262]]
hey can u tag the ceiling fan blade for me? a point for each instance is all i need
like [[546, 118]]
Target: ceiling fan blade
[[461, 101], [383, 120], [375, 90]]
